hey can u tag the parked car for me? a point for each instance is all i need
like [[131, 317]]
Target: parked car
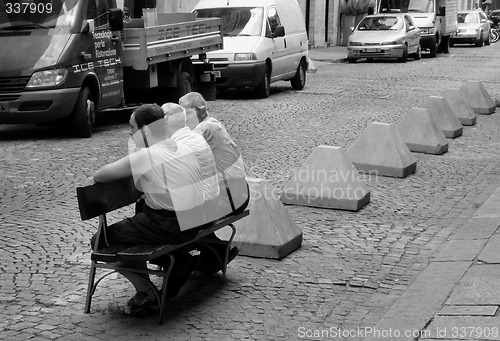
[[473, 28], [384, 35]]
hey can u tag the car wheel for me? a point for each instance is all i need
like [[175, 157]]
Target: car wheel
[[351, 60], [487, 41], [83, 116], [418, 54], [404, 57], [479, 42], [264, 88], [369, 60], [433, 48], [299, 80]]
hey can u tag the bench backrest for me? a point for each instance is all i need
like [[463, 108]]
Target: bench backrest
[[101, 198]]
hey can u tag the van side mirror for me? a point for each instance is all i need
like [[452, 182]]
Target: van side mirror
[[279, 31], [115, 19], [442, 11]]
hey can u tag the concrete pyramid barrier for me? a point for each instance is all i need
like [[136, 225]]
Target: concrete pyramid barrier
[[327, 179], [460, 107], [380, 150], [269, 231], [441, 112], [420, 132], [478, 98]]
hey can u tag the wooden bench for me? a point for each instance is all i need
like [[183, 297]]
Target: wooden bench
[[98, 199]]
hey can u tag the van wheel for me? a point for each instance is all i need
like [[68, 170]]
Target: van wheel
[[433, 48], [83, 116], [299, 80], [264, 88]]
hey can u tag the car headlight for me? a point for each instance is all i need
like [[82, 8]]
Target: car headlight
[[355, 43], [239, 57], [392, 42], [430, 30], [48, 78]]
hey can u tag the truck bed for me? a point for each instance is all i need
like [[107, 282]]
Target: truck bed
[[144, 46]]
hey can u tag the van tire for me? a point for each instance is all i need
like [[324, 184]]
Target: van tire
[[83, 116], [299, 80], [264, 87]]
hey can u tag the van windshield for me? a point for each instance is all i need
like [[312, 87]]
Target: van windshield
[[418, 6], [236, 21], [37, 14]]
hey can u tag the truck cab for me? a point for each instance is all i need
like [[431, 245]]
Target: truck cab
[[65, 60]]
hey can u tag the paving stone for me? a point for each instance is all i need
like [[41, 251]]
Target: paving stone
[[479, 286], [477, 228], [490, 253], [456, 250], [468, 310], [463, 328]]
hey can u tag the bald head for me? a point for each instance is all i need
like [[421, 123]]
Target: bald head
[[194, 100]]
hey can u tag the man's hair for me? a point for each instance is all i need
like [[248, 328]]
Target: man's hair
[[175, 115], [146, 114]]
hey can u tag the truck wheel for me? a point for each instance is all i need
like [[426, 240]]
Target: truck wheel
[[404, 57], [184, 83], [299, 80], [445, 44], [433, 48], [83, 116], [264, 88]]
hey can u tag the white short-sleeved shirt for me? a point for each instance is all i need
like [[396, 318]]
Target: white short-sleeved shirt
[[205, 157], [169, 174]]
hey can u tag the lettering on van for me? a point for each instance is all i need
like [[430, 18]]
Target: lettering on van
[[183, 31], [96, 64]]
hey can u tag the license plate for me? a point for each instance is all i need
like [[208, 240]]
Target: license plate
[[4, 106], [371, 50], [217, 74]]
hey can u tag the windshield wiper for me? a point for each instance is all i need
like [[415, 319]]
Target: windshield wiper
[[25, 26]]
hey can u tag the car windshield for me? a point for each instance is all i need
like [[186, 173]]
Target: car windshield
[[467, 18], [418, 6], [236, 21], [37, 14], [380, 24]]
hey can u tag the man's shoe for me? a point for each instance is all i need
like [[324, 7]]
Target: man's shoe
[[142, 299], [210, 265], [183, 267]]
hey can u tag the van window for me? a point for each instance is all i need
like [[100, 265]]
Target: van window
[[236, 21], [16, 14], [273, 20]]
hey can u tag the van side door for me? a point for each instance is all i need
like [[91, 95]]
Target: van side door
[[279, 52], [107, 54]]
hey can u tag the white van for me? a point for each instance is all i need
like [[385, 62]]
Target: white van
[[264, 41]]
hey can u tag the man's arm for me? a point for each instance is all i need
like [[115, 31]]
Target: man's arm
[[113, 171]]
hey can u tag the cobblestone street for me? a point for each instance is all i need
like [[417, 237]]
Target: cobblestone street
[[352, 266]]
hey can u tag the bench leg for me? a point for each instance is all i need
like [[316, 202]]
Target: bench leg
[[165, 287], [90, 288], [226, 255]]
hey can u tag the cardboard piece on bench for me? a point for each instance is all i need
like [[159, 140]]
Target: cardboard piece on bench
[[443, 115], [478, 98], [460, 108], [327, 179], [420, 132], [380, 150], [269, 231]]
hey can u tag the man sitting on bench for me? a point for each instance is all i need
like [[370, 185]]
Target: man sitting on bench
[[170, 176], [234, 192]]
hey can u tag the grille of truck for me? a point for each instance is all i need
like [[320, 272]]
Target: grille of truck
[[9, 85]]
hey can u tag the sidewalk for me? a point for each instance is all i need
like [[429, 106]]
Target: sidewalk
[[457, 296], [328, 54]]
